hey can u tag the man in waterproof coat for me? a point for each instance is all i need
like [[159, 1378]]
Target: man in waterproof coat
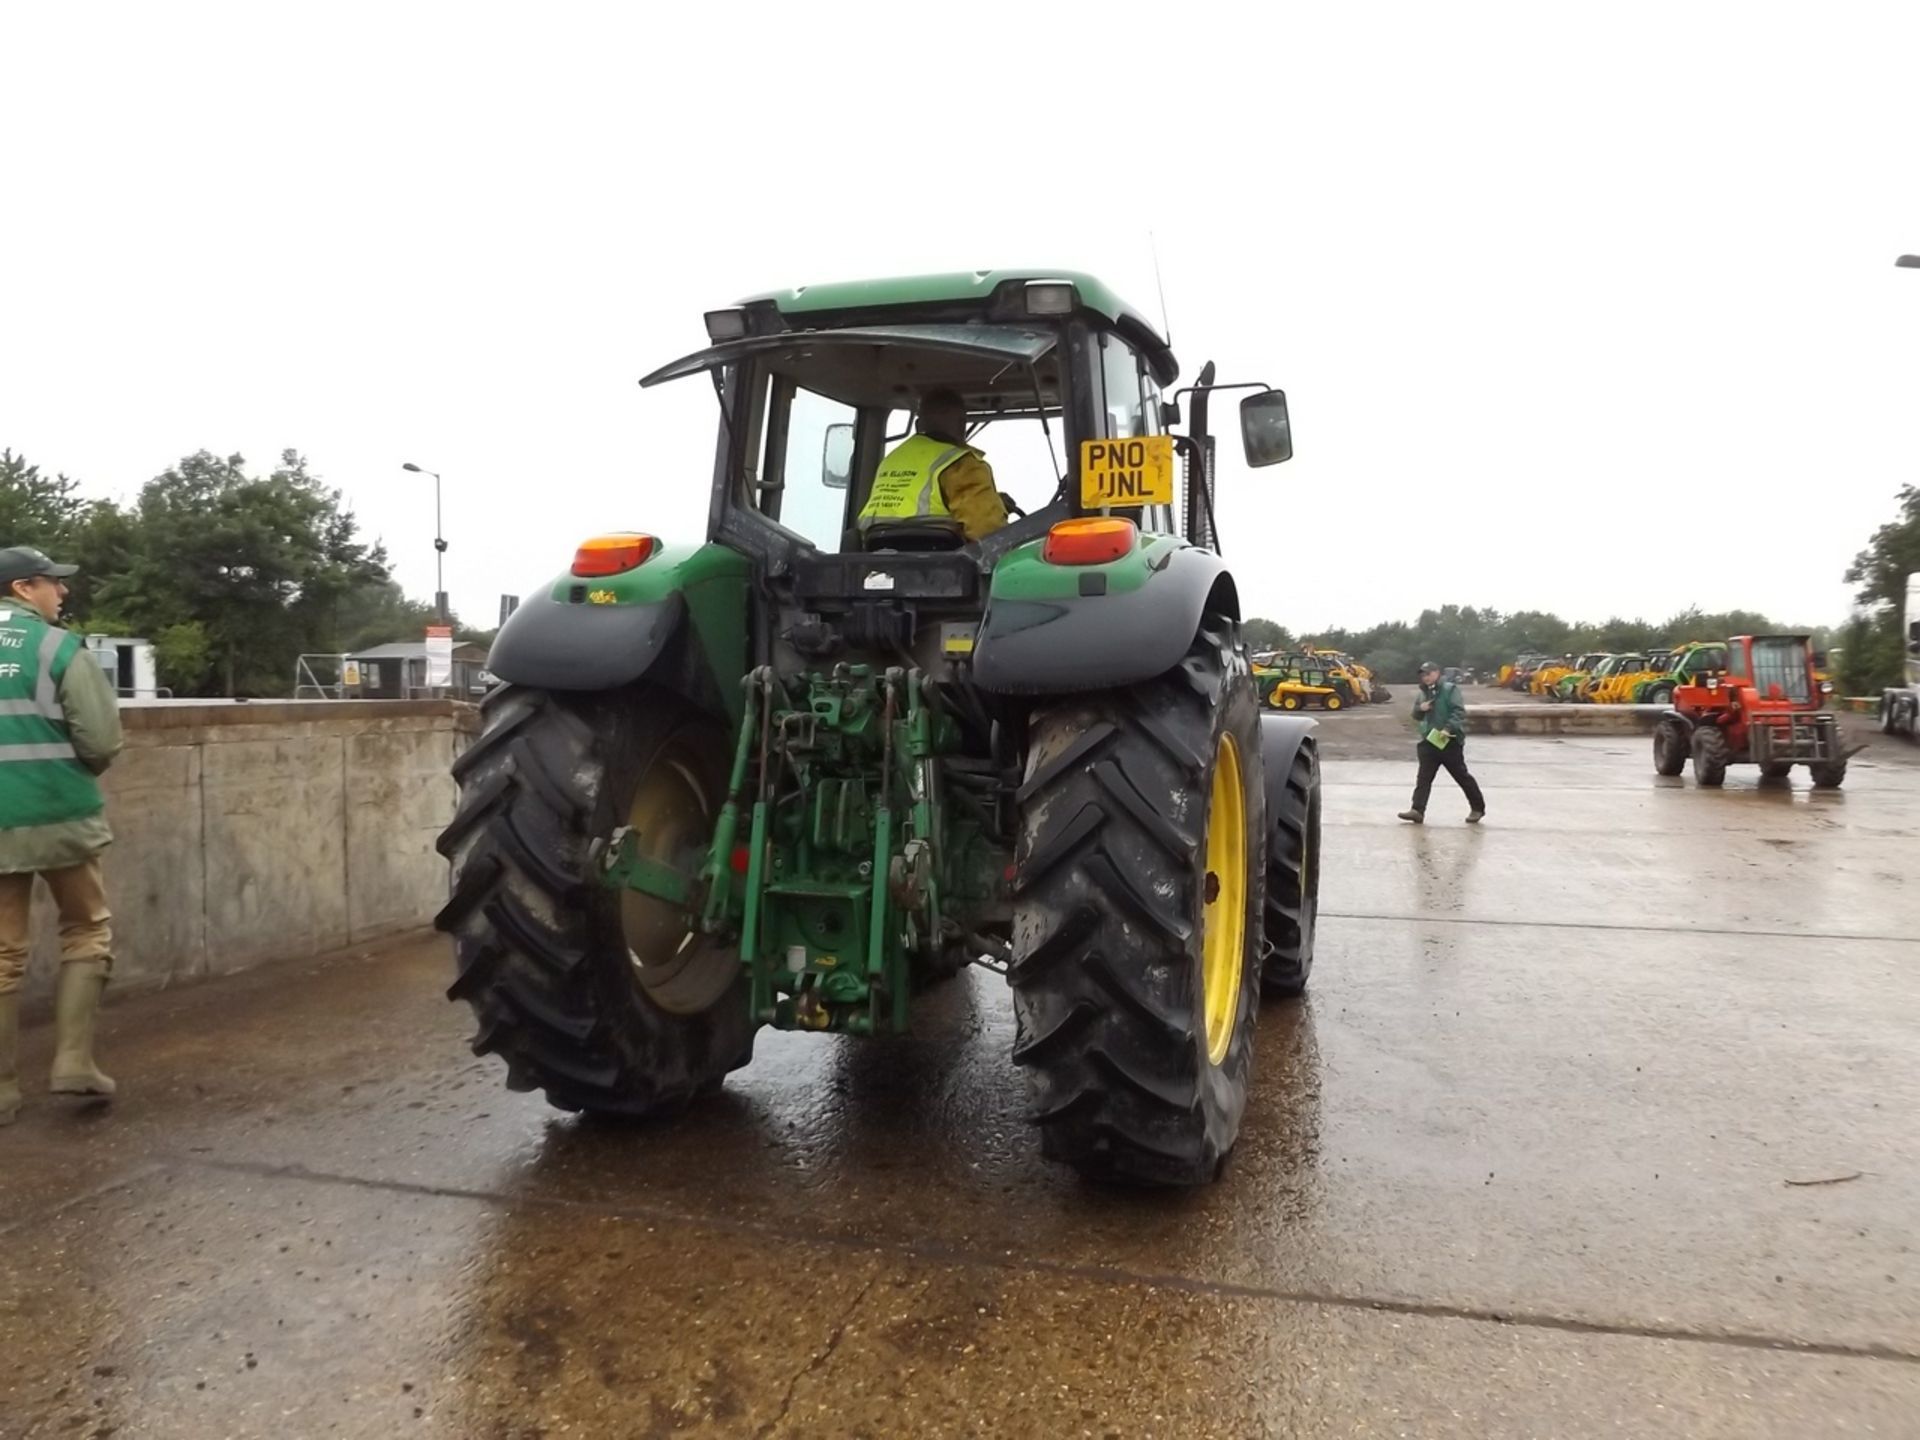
[[1441, 715], [59, 728]]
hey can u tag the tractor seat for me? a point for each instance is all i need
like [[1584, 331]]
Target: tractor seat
[[912, 535]]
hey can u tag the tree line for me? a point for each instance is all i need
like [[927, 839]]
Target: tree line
[[230, 573], [1867, 653], [1484, 639]]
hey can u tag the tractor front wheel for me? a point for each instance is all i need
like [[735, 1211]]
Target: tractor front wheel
[[1289, 702], [1139, 892], [1828, 774], [1669, 749], [1709, 756], [601, 997], [1333, 702]]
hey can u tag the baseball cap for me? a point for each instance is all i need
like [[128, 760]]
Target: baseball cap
[[1426, 665], [23, 562]]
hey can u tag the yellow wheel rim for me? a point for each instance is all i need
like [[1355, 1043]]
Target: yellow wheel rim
[[672, 821], [1291, 702], [1223, 922], [1333, 702]]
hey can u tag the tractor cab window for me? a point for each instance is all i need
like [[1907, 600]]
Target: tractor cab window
[[1125, 400], [1131, 405], [1780, 671], [1703, 663], [1028, 458], [794, 480], [824, 411]]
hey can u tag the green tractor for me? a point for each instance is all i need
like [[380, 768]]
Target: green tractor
[[794, 775], [1691, 664], [1569, 687]]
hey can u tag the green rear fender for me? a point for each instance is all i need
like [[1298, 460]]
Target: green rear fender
[[1058, 629], [680, 616]]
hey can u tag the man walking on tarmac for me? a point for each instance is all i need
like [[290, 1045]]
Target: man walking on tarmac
[[1442, 717], [59, 728], [935, 474]]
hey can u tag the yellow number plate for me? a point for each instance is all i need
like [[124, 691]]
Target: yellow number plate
[[1126, 472]]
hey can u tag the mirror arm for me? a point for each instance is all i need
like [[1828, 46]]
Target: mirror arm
[[1197, 438]]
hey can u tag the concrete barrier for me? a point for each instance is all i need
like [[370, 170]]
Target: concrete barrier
[[269, 830], [1544, 719]]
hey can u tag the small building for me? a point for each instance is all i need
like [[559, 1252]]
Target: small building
[[398, 671], [128, 665]]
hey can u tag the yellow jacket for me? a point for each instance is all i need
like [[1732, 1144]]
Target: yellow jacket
[[924, 476]]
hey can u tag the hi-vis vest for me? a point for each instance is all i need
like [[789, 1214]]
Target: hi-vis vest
[[907, 486], [42, 781]]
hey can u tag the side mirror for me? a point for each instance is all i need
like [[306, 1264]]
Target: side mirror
[[1264, 431], [836, 458]]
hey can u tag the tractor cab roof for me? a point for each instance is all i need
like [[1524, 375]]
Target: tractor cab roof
[[973, 299]]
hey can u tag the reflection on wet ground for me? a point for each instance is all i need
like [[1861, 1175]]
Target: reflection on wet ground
[[1534, 1157]]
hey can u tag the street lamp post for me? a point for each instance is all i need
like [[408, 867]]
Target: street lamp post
[[439, 544]]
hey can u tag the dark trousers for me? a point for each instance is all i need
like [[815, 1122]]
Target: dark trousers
[[1453, 760]]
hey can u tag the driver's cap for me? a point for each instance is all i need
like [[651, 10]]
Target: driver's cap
[[23, 562]]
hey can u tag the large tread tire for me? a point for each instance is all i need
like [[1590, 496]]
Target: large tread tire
[[1293, 877], [1110, 879], [538, 944], [1709, 756], [1669, 749]]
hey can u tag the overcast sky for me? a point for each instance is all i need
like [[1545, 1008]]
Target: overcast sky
[[1589, 309]]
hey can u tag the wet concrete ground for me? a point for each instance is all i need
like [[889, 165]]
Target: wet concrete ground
[[1535, 1158]]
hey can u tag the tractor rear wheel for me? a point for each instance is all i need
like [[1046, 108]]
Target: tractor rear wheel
[[599, 996], [1293, 875], [1669, 749], [1709, 756], [1660, 695], [1776, 769], [1333, 702], [1139, 891], [1828, 774], [1289, 702]]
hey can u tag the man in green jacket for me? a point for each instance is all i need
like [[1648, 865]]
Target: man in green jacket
[[1441, 715], [59, 728]]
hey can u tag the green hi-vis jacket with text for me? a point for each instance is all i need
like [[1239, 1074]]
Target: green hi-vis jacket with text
[[59, 728], [1448, 713]]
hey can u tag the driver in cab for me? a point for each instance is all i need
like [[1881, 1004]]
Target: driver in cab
[[935, 475]]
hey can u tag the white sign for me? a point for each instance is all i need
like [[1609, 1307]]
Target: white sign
[[350, 674], [439, 656]]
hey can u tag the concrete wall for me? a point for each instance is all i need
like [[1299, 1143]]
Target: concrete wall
[[270, 830], [1550, 719]]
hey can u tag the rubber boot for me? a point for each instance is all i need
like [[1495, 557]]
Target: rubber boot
[[75, 1004], [9, 1056]]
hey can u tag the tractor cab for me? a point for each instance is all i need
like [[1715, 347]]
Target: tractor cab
[[1762, 704]]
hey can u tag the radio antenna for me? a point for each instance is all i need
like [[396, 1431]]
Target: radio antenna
[[1166, 325]]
